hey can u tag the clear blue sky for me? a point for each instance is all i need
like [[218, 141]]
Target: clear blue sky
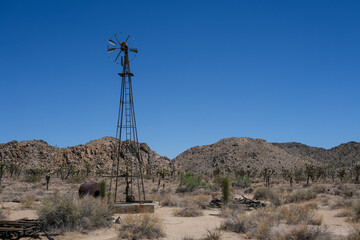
[[206, 70]]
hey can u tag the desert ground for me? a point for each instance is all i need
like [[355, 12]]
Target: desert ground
[[327, 209]]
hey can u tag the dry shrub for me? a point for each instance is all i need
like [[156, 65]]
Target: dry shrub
[[319, 189], [356, 211], [201, 200], [303, 232], [27, 201], [188, 211], [265, 193], [257, 225], [262, 193], [141, 226], [316, 220], [345, 213], [170, 200], [2, 214], [188, 238], [341, 203], [64, 212], [296, 213], [299, 196], [354, 233], [212, 235], [237, 223]]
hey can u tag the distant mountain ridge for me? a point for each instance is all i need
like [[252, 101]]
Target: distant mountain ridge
[[231, 153], [98, 153], [226, 155]]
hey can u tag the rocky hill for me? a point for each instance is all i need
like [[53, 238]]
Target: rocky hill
[[231, 153], [98, 154], [344, 155]]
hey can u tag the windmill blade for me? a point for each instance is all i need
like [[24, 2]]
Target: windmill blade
[[112, 42], [111, 50], [116, 38], [133, 50], [127, 38], [117, 56]]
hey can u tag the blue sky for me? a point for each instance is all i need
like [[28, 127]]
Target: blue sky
[[206, 70]]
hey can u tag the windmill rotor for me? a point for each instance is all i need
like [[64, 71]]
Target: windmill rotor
[[119, 45]]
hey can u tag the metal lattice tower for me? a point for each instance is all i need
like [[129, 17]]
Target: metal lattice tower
[[127, 147]]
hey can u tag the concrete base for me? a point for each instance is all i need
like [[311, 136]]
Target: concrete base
[[135, 207]]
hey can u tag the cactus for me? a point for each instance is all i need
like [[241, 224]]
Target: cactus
[[225, 187], [102, 188]]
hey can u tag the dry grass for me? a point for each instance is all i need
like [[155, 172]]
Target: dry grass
[[65, 212], [188, 211], [316, 220], [141, 226], [354, 233], [27, 201], [341, 203], [303, 232], [300, 196], [265, 193], [356, 211], [257, 225], [170, 200], [296, 213]]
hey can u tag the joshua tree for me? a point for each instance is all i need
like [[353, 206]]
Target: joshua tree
[[309, 169], [2, 170], [267, 173], [161, 173], [357, 172], [341, 173], [47, 177]]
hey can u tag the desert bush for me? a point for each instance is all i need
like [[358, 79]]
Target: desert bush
[[170, 200], [299, 196], [296, 213], [242, 182], [212, 235], [318, 189], [264, 193], [188, 211], [27, 201], [354, 233], [341, 203], [201, 200], [225, 189], [303, 232], [2, 214], [257, 225], [79, 178], [356, 211], [316, 220], [237, 223], [189, 183], [64, 212], [141, 226], [33, 174]]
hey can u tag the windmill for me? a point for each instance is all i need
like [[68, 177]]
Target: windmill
[[122, 49]]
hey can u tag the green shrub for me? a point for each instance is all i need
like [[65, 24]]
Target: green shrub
[[225, 189], [242, 182], [141, 226], [64, 212], [189, 183]]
